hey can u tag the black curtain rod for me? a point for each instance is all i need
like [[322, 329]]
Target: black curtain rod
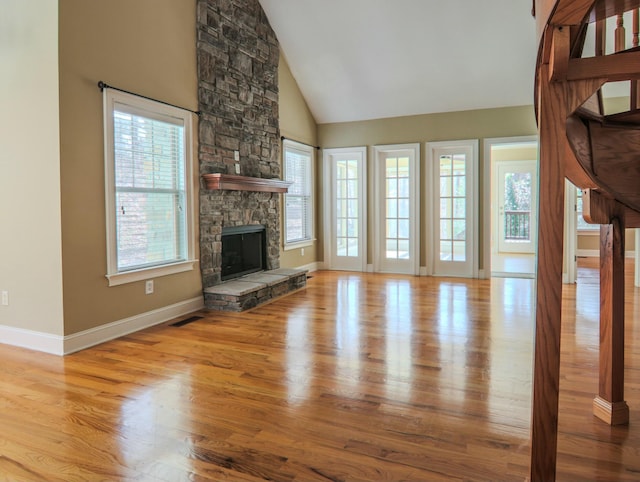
[[103, 85], [282, 138]]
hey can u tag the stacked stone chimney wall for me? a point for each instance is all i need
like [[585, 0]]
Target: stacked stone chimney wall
[[238, 56]]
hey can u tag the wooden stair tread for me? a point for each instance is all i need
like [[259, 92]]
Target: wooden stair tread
[[627, 117], [610, 156]]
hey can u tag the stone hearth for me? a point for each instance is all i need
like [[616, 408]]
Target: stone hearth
[[254, 289]]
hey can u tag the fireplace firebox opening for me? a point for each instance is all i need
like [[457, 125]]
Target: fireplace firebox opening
[[243, 250]]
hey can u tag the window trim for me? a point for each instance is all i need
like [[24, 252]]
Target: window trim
[[289, 144], [155, 110]]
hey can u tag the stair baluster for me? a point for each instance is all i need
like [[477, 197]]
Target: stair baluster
[[635, 97], [619, 34]]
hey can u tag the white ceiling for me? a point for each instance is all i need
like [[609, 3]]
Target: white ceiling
[[369, 59]]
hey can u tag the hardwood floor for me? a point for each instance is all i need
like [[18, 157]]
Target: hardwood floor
[[356, 377]]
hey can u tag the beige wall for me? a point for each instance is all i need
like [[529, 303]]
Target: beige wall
[[144, 46], [296, 123], [30, 245], [478, 124], [515, 154], [590, 243]]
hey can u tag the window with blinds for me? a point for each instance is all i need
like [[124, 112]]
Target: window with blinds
[[150, 190], [298, 201], [147, 199]]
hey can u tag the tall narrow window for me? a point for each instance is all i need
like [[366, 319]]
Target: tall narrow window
[[397, 207], [298, 201], [147, 196], [453, 223], [347, 212]]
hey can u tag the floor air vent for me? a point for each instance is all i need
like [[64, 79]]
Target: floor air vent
[[186, 321]]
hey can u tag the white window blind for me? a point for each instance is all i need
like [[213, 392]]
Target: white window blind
[[299, 199], [150, 190]]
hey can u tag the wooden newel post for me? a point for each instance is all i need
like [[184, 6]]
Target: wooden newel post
[[610, 405], [546, 372]]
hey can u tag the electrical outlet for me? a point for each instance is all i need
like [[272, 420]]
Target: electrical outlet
[[148, 287], [5, 298], [301, 251]]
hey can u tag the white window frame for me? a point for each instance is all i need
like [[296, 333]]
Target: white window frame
[[289, 145], [152, 109]]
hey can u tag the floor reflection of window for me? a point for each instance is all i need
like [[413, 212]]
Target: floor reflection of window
[[510, 336], [453, 327], [298, 356], [146, 416], [347, 334], [399, 327]]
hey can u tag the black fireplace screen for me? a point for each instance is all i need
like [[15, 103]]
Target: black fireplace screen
[[243, 250]]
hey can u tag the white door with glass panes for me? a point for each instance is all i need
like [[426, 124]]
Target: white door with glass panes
[[346, 203], [452, 170], [397, 219]]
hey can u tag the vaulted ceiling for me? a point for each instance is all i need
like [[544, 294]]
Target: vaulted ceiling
[[368, 59]]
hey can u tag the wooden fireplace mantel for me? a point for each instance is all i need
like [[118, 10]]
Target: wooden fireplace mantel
[[231, 182]]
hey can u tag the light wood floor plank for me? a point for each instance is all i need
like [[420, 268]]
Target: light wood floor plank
[[356, 377]]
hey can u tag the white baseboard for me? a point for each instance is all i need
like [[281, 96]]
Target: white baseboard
[[587, 253], [595, 253], [504, 274], [64, 345], [100, 334], [369, 268], [311, 267], [33, 340], [423, 271]]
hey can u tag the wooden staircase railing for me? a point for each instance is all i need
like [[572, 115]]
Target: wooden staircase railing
[[599, 153]]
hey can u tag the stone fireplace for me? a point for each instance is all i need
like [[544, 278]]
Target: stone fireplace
[[238, 56], [239, 140]]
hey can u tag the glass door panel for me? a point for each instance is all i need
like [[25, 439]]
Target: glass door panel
[[397, 208], [347, 212], [453, 172], [346, 203], [453, 210]]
